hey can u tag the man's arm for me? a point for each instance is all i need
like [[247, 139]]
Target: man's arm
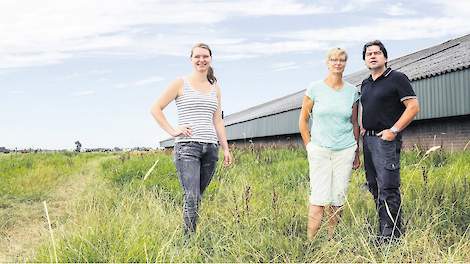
[[412, 109]]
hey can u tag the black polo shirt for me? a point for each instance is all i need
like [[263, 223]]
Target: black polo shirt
[[382, 99]]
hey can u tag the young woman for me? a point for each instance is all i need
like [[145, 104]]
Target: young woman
[[332, 145], [199, 132]]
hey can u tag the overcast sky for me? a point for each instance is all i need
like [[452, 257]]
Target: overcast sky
[[90, 70]]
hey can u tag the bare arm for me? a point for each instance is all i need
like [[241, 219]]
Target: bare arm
[[170, 94], [307, 105], [361, 126], [220, 130], [355, 123], [412, 109], [356, 132]]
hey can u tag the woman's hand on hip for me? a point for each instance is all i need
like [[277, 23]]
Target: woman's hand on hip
[[184, 131]]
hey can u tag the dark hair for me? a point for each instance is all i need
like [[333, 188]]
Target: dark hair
[[210, 72], [374, 43]]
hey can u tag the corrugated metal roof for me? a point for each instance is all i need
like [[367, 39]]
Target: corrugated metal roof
[[170, 142], [449, 56], [279, 105]]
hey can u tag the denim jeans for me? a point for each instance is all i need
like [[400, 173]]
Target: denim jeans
[[382, 165], [195, 163]]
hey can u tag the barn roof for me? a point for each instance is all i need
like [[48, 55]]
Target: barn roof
[[452, 55]]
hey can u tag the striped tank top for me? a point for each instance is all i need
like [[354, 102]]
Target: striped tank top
[[197, 109]]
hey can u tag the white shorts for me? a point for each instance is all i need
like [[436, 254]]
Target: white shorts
[[330, 171]]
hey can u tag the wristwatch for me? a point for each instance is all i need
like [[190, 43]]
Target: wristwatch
[[394, 130]]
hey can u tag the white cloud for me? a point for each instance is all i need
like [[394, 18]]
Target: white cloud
[[70, 76], [149, 81], [88, 74], [284, 66], [16, 92], [398, 10], [121, 85], [389, 29], [80, 25], [84, 93], [235, 57], [143, 82], [454, 8], [26, 59], [99, 72], [251, 49], [51, 31]]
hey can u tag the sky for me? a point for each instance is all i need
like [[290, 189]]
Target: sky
[[90, 70]]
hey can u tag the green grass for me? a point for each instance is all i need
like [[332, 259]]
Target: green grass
[[30, 177], [256, 210], [27, 179]]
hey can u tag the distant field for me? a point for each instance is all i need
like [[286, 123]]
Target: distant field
[[101, 210]]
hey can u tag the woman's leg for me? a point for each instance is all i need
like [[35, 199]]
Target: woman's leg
[[210, 155], [187, 161], [334, 214], [315, 214], [342, 170], [320, 186]]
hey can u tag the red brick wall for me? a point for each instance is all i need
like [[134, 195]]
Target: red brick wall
[[451, 133]]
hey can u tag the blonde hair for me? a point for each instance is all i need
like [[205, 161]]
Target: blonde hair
[[336, 52], [210, 73]]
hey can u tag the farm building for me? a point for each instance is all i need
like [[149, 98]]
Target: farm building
[[440, 76]]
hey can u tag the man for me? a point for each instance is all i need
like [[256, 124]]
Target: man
[[389, 104]]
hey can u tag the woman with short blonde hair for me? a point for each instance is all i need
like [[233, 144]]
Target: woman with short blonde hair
[[331, 142]]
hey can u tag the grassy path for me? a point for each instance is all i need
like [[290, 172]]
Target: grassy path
[[28, 227], [103, 211]]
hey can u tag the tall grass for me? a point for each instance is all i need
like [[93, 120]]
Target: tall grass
[[30, 177], [256, 211], [25, 181]]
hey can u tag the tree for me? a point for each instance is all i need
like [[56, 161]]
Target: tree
[[78, 146]]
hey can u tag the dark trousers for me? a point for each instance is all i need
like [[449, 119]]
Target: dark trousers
[[195, 163], [382, 165]]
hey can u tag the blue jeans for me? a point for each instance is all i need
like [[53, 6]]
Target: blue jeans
[[195, 163], [382, 165]]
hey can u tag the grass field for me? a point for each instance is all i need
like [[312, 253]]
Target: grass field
[[101, 210]]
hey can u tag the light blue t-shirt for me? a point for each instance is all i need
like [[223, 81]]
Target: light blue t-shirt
[[331, 115]]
